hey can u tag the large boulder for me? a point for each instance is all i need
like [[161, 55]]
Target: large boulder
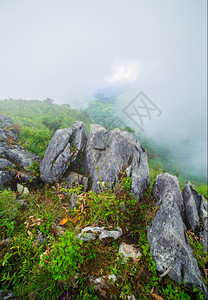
[[109, 153], [196, 213], [62, 151], [166, 235]]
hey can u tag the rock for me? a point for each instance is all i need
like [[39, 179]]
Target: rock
[[3, 147], [4, 164], [115, 234], [165, 184], [62, 151], [73, 180], [204, 217], [79, 136], [129, 251], [104, 286], [166, 235], [5, 121], [92, 233], [109, 153], [7, 179], [19, 156], [10, 134], [22, 190], [192, 203], [23, 203], [6, 295], [2, 135]]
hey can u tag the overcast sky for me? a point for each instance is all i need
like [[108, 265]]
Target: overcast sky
[[68, 50]]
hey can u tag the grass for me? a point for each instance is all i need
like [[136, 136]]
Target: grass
[[62, 264]]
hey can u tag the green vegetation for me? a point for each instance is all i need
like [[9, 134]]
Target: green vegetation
[[39, 251], [61, 264], [38, 120]]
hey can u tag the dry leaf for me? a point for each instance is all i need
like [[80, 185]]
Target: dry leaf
[[157, 297], [62, 222], [82, 207]]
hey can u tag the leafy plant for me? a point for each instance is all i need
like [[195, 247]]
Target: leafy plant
[[65, 258]]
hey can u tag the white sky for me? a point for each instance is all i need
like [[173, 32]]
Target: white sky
[[66, 49]]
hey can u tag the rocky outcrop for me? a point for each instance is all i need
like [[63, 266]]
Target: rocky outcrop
[[166, 235], [19, 156], [12, 155], [62, 151], [109, 153], [196, 213], [5, 121]]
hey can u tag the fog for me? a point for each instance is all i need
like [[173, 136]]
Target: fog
[[70, 50]]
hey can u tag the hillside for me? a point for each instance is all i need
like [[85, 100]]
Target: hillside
[[65, 224], [38, 120]]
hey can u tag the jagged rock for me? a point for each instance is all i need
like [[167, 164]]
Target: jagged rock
[[73, 180], [6, 295], [91, 233], [2, 135], [195, 210], [166, 235], [62, 151], [4, 164], [129, 251], [165, 184], [19, 156], [108, 153]]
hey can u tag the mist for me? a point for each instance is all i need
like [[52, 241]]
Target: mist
[[69, 51]]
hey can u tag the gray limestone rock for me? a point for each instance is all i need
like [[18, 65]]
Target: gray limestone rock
[[3, 136], [62, 151], [108, 153], [166, 235], [91, 233], [196, 212], [4, 164], [19, 156]]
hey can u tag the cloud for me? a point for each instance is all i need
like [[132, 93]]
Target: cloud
[[66, 50]]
